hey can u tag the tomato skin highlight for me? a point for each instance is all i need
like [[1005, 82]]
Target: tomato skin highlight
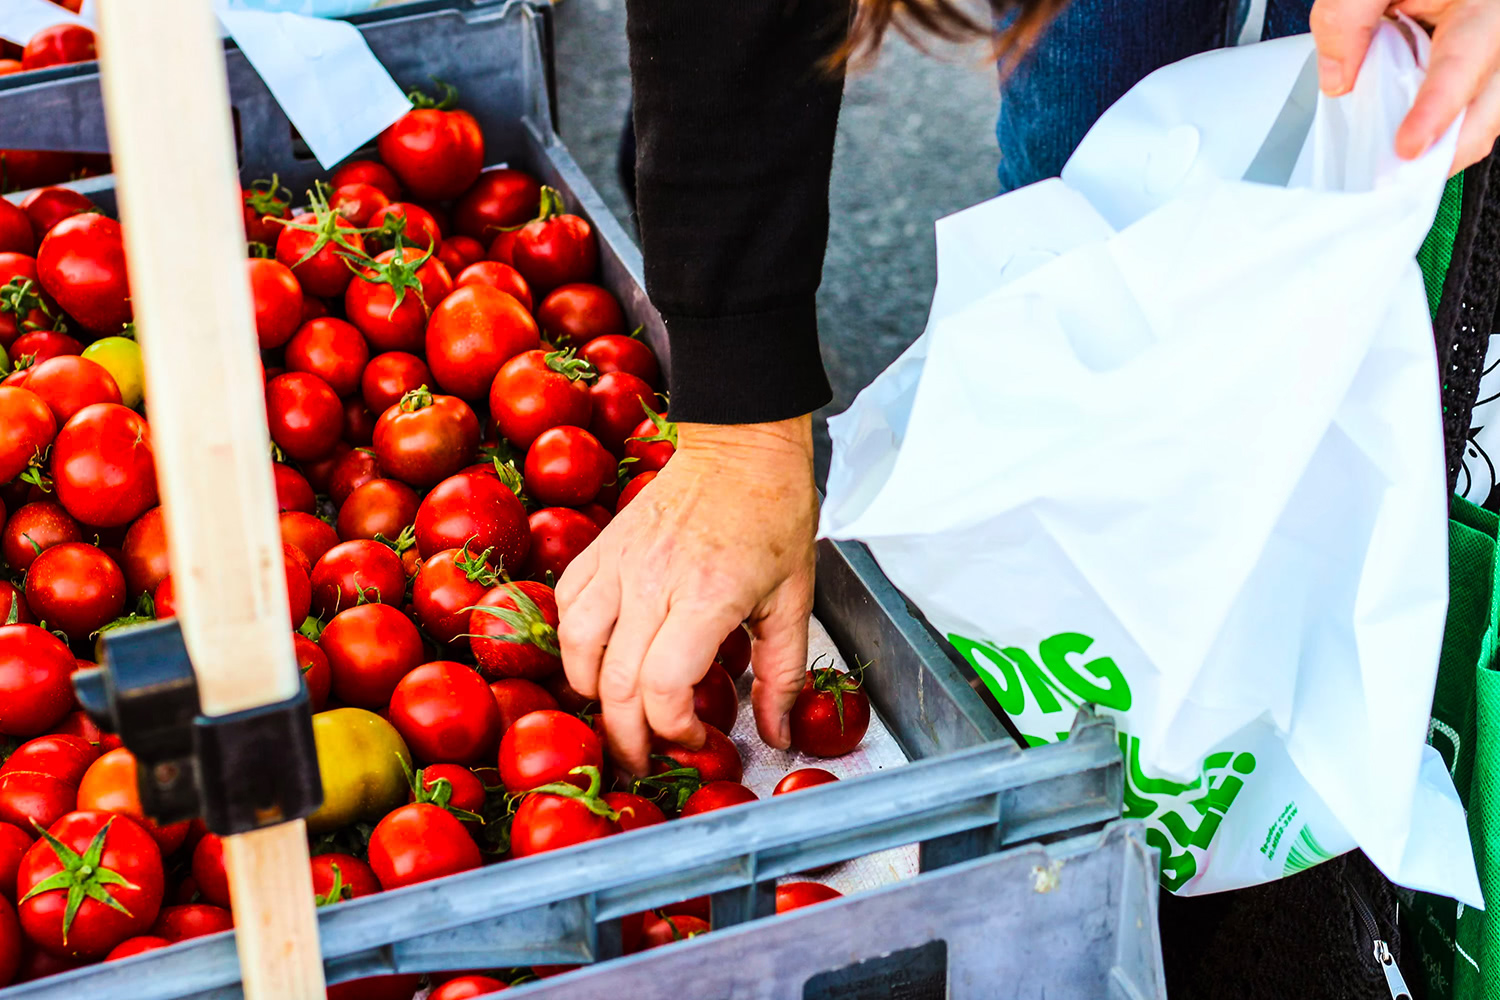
[[372, 304], [136, 946], [36, 687], [426, 438], [370, 172], [513, 631], [145, 552], [465, 987], [716, 760], [819, 729], [390, 376], [529, 395], [499, 276], [557, 251], [614, 353], [517, 697], [307, 533], [635, 811], [558, 536], [58, 45], [208, 870], [418, 842], [191, 920], [69, 383], [444, 591], [355, 571]]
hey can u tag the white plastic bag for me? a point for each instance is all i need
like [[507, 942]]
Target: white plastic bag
[[1171, 444]]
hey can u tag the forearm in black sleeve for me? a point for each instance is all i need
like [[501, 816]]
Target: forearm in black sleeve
[[735, 114]]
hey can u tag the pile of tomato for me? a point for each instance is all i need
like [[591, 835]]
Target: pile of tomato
[[457, 408], [59, 45]]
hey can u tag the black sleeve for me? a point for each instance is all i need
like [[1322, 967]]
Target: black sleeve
[[735, 113]]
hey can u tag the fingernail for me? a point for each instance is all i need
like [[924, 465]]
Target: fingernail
[[784, 732], [1330, 76]]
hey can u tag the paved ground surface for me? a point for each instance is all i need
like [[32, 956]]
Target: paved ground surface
[[916, 141]]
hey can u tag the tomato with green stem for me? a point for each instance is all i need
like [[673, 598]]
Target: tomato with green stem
[[311, 245], [24, 306], [26, 427], [652, 444], [277, 297], [406, 224], [547, 746], [513, 631], [92, 881], [538, 390], [618, 399], [370, 648], [13, 607], [418, 842], [437, 152], [359, 571], [425, 438], [831, 713], [555, 248], [333, 350], [617, 353], [716, 760], [263, 202], [76, 588], [559, 814], [634, 810], [499, 199], [337, 877], [380, 509], [32, 530], [81, 264], [390, 376], [478, 509], [578, 312], [449, 583], [393, 296], [452, 787]]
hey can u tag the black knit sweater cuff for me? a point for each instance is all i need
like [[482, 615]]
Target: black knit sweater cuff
[[747, 369]]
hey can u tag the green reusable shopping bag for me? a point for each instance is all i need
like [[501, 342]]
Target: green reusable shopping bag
[[1453, 945]]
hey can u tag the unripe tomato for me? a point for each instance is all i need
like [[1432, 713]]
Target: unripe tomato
[[360, 759]]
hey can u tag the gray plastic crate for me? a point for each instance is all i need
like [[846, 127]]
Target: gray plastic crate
[[968, 793]]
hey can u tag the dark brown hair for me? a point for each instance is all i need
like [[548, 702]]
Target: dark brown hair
[[948, 21]]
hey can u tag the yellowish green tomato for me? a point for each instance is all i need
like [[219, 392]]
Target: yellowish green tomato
[[360, 758], [121, 357]]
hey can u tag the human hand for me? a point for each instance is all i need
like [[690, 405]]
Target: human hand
[[1463, 73], [723, 534]]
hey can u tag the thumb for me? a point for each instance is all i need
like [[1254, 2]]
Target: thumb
[[779, 660], [1342, 30]]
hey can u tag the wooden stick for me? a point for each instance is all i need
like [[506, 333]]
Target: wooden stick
[[167, 102]]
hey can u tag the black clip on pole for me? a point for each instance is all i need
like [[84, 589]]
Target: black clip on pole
[[240, 772]]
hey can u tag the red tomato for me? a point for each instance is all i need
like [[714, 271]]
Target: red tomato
[[446, 714], [465, 790], [459, 252], [410, 224], [304, 414], [516, 697], [337, 877], [619, 400], [81, 264], [162, 598], [369, 649], [665, 930], [652, 444], [99, 843], [513, 631], [32, 530], [717, 795], [263, 202], [15, 230], [472, 333], [181, 923], [79, 724], [831, 713], [370, 172], [478, 509], [26, 427], [353, 471], [635, 811], [37, 964], [58, 45], [310, 245], [547, 822], [66, 758], [102, 466], [558, 535], [208, 870], [500, 198], [579, 312], [465, 987], [498, 276], [538, 390], [315, 673], [14, 843], [613, 353], [418, 842], [145, 552], [136, 946], [28, 168], [734, 651], [278, 301], [596, 513], [392, 299], [109, 785], [319, 470], [359, 423], [400, 987], [46, 207], [312, 308], [67, 384], [716, 760], [355, 572], [447, 586], [10, 943], [293, 492], [331, 349], [31, 799], [13, 607], [795, 895], [567, 467], [310, 534], [804, 777], [379, 507], [358, 202], [426, 438], [24, 306], [75, 587], [501, 247], [437, 153], [543, 747], [298, 586], [554, 248], [715, 699], [390, 376]]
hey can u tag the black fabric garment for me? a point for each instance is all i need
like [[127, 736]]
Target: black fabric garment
[[734, 119]]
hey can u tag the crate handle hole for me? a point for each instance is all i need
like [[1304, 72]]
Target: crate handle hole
[[919, 973]]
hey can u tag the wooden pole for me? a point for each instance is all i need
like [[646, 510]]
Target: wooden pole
[[166, 97]]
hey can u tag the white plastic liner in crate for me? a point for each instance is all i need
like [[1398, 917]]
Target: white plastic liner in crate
[[765, 766]]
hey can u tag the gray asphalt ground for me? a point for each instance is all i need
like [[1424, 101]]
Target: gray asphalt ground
[[916, 141]]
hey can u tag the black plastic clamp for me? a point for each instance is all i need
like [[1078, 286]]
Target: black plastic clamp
[[239, 772]]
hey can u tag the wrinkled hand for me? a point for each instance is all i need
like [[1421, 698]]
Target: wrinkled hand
[[724, 534], [1464, 72]]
